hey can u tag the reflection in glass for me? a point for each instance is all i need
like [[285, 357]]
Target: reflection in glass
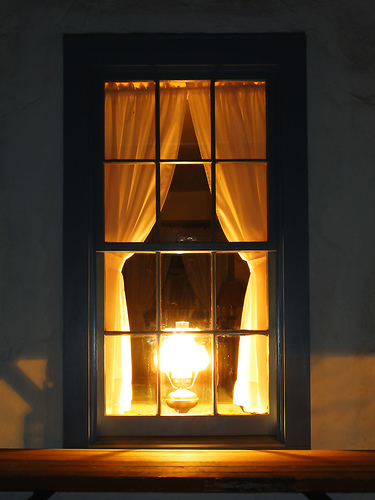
[[185, 362], [242, 374], [129, 120], [186, 213], [240, 120], [186, 290], [130, 375]]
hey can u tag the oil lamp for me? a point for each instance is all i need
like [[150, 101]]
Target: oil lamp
[[181, 358]]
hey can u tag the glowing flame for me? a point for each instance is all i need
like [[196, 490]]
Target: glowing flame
[[181, 355]]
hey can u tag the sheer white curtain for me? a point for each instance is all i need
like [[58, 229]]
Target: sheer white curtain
[[130, 207], [241, 201]]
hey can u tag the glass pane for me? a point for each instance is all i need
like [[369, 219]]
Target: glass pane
[[241, 200], [185, 362], [130, 375], [186, 290], [242, 374], [139, 274], [186, 212], [129, 120], [185, 120], [240, 120], [242, 291], [129, 292], [129, 201], [232, 277]]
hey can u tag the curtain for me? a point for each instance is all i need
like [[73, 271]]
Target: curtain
[[251, 388], [129, 208], [241, 201], [240, 124]]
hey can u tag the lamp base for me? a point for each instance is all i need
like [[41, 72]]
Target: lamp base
[[182, 400]]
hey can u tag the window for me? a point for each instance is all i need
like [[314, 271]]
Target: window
[[182, 253], [205, 167]]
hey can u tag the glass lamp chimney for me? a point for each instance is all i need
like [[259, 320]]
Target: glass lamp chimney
[[181, 358]]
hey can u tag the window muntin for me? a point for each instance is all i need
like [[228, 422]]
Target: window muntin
[[171, 202]]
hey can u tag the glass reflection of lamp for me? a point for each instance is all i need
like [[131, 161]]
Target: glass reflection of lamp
[[181, 358]]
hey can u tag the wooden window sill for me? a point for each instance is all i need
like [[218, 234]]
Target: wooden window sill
[[170, 470]]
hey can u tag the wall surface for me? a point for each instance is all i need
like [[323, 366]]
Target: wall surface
[[341, 124]]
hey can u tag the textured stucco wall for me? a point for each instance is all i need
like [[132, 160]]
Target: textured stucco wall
[[341, 123]]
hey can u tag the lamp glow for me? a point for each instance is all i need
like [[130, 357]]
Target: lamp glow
[[181, 358]]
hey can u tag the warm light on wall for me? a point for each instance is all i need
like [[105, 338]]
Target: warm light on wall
[[181, 358]]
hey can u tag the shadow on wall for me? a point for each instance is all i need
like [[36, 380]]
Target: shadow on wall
[[23, 410], [343, 402]]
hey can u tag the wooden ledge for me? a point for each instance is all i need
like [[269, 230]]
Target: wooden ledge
[[187, 470]]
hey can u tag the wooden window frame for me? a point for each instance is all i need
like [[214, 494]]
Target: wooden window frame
[[282, 58]]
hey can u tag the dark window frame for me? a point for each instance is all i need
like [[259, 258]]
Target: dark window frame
[[86, 60]]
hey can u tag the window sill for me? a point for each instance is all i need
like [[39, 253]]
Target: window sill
[[170, 470], [190, 443]]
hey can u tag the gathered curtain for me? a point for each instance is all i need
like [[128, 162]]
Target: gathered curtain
[[241, 192]]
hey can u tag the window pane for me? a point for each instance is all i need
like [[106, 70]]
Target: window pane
[[242, 296], [185, 362], [243, 374], [185, 121], [129, 201], [115, 314], [129, 120], [139, 274], [241, 200], [232, 277], [240, 120], [129, 292], [186, 212], [130, 373], [186, 290]]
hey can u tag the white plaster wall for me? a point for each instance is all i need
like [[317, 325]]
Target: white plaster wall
[[341, 123]]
